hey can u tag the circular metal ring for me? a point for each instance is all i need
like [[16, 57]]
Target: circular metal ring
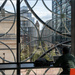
[[11, 52], [32, 6]]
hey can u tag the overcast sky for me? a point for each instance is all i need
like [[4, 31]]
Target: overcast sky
[[39, 9]]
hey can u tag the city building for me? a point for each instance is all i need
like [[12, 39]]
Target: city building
[[61, 19], [47, 33], [28, 30], [8, 43], [37, 25]]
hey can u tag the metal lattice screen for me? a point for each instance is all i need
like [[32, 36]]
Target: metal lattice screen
[[32, 29]]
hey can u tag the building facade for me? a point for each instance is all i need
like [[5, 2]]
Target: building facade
[[61, 19], [47, 33], [28, 30], [8, 43]]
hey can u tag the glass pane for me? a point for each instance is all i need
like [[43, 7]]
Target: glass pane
[[30, 32], [7, 31], [44, 24]]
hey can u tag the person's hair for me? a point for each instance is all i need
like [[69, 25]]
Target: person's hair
[[65, 50]]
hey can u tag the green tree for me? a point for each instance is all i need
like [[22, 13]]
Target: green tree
[[25, 52]]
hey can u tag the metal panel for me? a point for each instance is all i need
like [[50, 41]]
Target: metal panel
[[73, 27]]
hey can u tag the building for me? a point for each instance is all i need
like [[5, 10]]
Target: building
[[28, 30], [47, 33], [8, 43], [37, 25], [61, 19]]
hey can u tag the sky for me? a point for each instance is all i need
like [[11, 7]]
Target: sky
[[39, 9]]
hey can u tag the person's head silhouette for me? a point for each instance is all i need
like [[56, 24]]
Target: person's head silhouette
[[65, 50]]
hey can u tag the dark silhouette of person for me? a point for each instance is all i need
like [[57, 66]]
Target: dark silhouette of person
[[66, 61]]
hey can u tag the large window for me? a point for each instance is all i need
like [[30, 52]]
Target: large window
[[30, 30]]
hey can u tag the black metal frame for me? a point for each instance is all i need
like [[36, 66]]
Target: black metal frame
[[18, 36], [7, 66], [73, 26]]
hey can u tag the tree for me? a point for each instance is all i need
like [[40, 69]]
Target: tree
[[25, 52]]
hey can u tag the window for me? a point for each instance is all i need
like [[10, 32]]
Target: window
[[24, 37]]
